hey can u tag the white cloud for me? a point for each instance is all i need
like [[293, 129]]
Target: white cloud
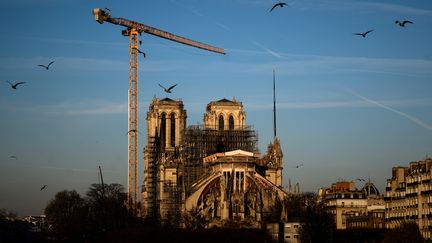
[[355, 5], [313, 64], [84, 108], [79, 42], [327, 103], [394, 8], [65, 63], [237, 62]]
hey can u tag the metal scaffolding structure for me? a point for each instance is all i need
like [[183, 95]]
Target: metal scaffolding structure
[[163, 197], [199, 142], [152, 156]]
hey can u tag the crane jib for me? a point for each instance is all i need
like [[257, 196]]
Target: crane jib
[[164, 34]]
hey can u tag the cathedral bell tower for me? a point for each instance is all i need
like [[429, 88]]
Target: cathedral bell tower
[[166, 120], [225, 114]]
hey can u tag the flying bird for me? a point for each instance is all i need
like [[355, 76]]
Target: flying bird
[[402, 23], [46, 66], [365, 33], [43, 187], [279, 4], [169, 89], [298, 166], [360, 179], [13, 157], [14, 86]]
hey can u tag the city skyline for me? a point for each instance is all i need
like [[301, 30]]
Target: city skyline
[[347, 107]]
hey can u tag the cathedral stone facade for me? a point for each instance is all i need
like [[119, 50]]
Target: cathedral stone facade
[[214, 168]]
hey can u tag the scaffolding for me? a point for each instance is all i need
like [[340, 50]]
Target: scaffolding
[[199, 142], [163, 198], [171, 203], [152, 155]]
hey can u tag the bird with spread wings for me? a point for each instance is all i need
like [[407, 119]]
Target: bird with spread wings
[[402, 23], [46, 66], [14, 85], [168, 90], [365, 33], [279, 4]]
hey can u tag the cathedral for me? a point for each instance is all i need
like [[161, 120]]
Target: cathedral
[[214, 168]]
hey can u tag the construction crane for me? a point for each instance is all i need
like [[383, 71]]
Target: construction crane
[[133, 29]]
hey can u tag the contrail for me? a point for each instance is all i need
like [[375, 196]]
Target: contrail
[[63, 168], [273, 53], [411, 118]]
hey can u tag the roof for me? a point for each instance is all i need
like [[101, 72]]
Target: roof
[[167, 99], [239, 152], [225, 101], [234, 153], [370, 189]]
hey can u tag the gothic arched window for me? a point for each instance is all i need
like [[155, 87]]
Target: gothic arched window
[[221, 122], [163, 129], [231, 122], [173, 130]]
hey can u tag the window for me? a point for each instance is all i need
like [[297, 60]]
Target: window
[[221, 122], [227, 177], [239, 181], [163, 129], [173, 130], [231, 122]]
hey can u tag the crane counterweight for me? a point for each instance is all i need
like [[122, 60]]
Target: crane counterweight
[[100, 15]]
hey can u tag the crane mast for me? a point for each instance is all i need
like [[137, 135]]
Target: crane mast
[[133, 118], [132, 31]]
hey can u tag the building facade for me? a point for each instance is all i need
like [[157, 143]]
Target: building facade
[[287, 232], [352, 207], [214, 167], [409, 196]]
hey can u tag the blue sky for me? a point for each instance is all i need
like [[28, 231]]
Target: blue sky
[[348, 106]]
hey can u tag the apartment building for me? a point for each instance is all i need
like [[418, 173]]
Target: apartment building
[[409, 196], [352, 207]]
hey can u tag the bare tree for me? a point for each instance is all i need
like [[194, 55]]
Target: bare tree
[[317, 224], [107, 205], [66, 214]]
